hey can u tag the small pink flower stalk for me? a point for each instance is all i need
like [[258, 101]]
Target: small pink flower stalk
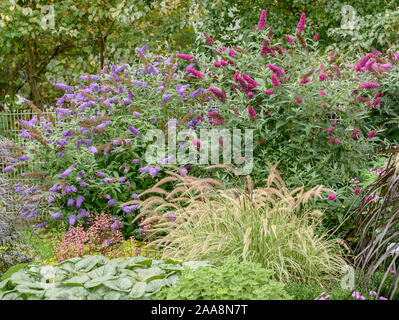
[[276, 70], [357, 296], [331, 196], [290, 39], [196, 143], [323, 77], [187, 57], [369, 85], [316, 36], [252, 113], [298, 100], [262, 21], [208, 39], [196, 73], [232, 53], [217, 119], [275, 81], [362, 62], [355, 134], [219, 94], [322, 296], [372, 134], [301, 25]]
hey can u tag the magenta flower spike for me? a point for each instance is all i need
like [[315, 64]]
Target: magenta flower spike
[[289, 39], [262, 21], [275, 81], [301, 24], [369, 85]]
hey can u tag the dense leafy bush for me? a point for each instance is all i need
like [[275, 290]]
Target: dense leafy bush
[[321, 116], [376, 29], [233, 280], [272, 226], [93, 278], [95, 152], [226, 20]]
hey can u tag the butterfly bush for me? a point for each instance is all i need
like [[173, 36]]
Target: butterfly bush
[[90, 150], [320, 116], [303, 106]]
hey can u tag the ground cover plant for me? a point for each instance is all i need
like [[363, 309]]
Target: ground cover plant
[[93, 278], [231, 281]]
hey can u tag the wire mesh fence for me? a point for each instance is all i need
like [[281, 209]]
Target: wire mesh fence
[[10, 128]]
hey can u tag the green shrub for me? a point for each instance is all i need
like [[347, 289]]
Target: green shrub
[[310, 291], [93, 278], [233, 280]]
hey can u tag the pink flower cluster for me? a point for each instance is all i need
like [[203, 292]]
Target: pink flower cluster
[[102, 237]]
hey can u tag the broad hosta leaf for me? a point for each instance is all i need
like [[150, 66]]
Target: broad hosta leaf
[[98, 281], [11, 295], [139, 261], [89, 262], [24, 290], [93, 278], [144, 274], [171, 267], [48, 272], [107, 270], [67, 266], [130, 273], [171, 281], [160, 276], [155, 285], [112, 295], [66, 293], [12, 270], [76, 281], [138, 290], [120, 284]]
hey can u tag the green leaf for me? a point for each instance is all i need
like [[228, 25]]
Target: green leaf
[[144, 274], [12, 270], [120, 284], [138, 290], [89, 262], [107, 270], [76, 281], [155, 285], [112, 295]]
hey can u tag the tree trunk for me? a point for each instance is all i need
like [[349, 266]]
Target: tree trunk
[[31, 74]]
